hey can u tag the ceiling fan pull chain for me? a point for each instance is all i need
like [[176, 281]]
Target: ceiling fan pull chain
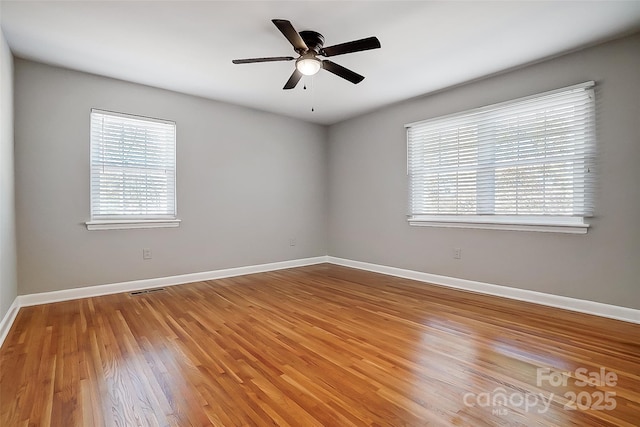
[[313, 93]]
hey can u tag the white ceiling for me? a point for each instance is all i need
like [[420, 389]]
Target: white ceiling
[[187, 46]]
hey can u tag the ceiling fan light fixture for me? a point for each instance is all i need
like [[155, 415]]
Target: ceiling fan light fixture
[[308, 65], [309, 45]]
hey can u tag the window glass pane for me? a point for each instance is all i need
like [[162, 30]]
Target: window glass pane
[[528, 157], [132, 167]]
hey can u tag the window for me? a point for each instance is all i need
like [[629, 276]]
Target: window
[[133, 172], [523, 164]]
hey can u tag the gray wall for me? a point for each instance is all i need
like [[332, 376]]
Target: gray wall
[[8, 272], [368, 188], [248, 181]]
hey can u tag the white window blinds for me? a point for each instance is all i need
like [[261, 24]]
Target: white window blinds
[[133, 167], [530, 157]]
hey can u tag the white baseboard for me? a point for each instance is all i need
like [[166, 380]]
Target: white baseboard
[[583, 306], [567, 303], [136, 285], [9, 317]]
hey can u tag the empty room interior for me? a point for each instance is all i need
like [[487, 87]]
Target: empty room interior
[[319, 213]]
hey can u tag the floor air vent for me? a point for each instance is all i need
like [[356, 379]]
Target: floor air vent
[[146, 291]]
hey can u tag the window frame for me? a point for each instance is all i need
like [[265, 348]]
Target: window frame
[[483, 219], [123, 222]]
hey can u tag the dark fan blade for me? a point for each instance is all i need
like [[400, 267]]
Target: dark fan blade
[[271, 59], [340, 71], [293, 80], [354, 46], [291, 34]]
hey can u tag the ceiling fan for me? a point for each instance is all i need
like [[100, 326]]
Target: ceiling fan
[[309, 45]]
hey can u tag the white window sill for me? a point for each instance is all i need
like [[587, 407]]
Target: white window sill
[[568, 225], [127, 224]]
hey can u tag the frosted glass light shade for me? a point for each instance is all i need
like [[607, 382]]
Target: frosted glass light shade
[[308, 66]]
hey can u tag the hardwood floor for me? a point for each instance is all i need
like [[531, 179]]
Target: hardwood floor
[[318, 345]]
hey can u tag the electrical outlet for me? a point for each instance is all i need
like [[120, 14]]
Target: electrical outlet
[[292, 242], [457, 253], [146, 253]]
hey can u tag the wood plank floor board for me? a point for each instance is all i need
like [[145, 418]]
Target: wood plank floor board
[[321, 345]]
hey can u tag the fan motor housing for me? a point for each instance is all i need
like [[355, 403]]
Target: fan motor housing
[[313, 40]]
